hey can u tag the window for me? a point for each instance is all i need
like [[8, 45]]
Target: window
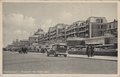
[[101, 26], [98, 26], [99, 20], [76, 24], [109, 26], [100, 32], [107, 40]]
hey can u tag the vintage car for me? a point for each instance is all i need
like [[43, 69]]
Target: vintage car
[[58, 49]]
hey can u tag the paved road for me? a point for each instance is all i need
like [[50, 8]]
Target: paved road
[[39, 63]]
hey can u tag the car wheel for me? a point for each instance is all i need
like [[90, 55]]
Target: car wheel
[[65, 55], [55, 55]]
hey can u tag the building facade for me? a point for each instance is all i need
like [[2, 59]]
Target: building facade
[[24, 43], [33, 39], [73, 30], [37, 37], [61, 32], [92, 27], [92, 31], [112, 28], [97, 26], [57, 33]]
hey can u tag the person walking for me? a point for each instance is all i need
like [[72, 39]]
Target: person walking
[[25, 50], [20, 50], [88, 51], [92, 51]]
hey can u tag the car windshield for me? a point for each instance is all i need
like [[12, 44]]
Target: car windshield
[[48, 48], [62, 47]]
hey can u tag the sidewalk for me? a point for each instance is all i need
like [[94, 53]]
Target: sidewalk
[[110, 58]]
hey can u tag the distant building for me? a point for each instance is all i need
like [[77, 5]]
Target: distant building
[[24, 42], [39, 32], [16, 42], [33, 39], [37, 37], [10, 47]]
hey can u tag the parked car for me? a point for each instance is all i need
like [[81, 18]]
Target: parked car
[[58, 49]]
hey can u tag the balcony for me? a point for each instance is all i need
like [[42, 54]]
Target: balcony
[[83, 31], [71, 33], [82, 26]]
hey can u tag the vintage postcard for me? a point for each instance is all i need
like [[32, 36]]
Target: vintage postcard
[[60, 38]]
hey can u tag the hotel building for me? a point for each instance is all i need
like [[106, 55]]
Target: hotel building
[[94, 30], [57, 33], [83, 30]]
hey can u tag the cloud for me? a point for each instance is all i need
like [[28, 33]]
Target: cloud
[[66, 17], [63, 17], [14, 21], [17, 26], [46, 23], [20, 32]]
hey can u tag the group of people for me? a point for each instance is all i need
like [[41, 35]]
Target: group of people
[[23, 50], [90, 51]]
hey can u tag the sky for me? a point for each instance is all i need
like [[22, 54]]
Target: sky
[[21, 20]]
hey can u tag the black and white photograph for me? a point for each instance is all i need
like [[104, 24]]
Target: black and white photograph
[[60, 38]]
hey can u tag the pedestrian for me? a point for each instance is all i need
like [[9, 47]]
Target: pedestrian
[[20, 50], [88, 50], [43, 50], [25, 50], [92, 51]]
